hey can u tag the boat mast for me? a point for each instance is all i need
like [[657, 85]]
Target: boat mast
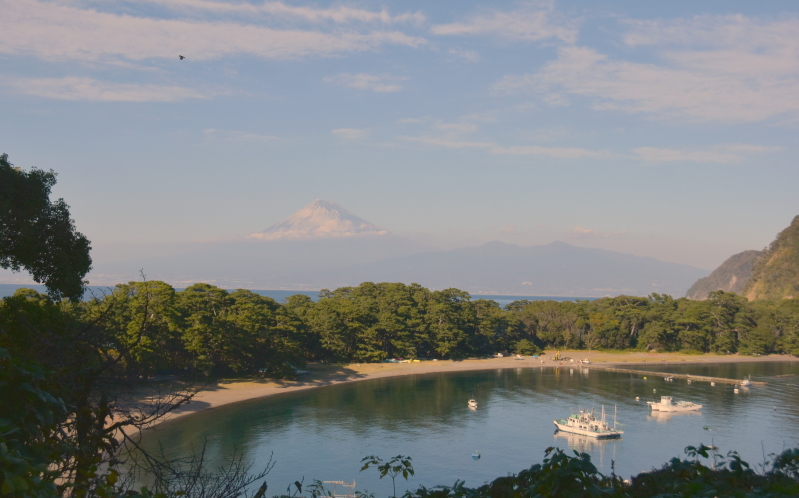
[[615, 411]]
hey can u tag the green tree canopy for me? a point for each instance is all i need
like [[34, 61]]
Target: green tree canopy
[[38, 235]]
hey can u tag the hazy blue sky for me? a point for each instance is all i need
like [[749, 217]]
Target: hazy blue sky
[[661, 129]]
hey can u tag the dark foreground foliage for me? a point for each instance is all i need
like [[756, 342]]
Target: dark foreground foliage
[[563, 475]]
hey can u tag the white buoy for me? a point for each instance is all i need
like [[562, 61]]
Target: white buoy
[[637, 398], [712, 384], [689, 381], [735, 390], [654, 390]]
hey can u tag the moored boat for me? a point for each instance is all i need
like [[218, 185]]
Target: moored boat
[[667, 404], [472, 403], [586, 423]]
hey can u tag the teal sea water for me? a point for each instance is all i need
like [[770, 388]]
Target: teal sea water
[[323, 433]]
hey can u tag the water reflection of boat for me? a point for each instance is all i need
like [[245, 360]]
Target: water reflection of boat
[[582, 443], [663, 417], [587, 444]]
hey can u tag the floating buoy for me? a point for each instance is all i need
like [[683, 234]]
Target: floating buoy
[[654, 390], [637, 398], [735, 390], [712, 384], [644, 378], [689, 381], [475, 456], [706, 428]]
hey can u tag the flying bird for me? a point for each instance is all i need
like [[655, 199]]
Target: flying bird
[[181, 57]]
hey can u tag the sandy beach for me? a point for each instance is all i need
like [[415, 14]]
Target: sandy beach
[[230, 391]]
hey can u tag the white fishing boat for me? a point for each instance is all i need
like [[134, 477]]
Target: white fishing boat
[[472, 403], [586, 423], [747, 382], [667, 404]]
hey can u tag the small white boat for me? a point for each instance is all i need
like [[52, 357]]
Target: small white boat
[[747, 382], [472, 403], [585, 361], [586, 423], [666, 404]]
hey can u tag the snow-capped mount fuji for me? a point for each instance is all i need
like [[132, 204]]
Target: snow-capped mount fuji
[[320, 219]]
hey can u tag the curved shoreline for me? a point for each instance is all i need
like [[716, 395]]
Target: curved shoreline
[[227, 392]]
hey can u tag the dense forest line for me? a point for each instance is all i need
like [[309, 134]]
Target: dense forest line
[[207, 330]]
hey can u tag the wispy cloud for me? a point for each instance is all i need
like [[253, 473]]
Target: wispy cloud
[[54, 31], [362, 81], [557, 152], [406, 121], [239, 136], [469, 55], [452, 144], [88, 89], [494, 148], [579, 232], [349, 133], [527, 24], [729, 69], [457, 127], [339, 15], [725, 154]]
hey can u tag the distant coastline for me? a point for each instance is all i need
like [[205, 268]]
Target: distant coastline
[[279, 295]]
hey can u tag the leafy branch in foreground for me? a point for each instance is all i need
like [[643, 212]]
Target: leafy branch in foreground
[[399, 465]]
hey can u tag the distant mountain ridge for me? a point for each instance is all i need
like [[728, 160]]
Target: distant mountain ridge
[[776, 274], [731, 276], [555, 269], [325, 246]]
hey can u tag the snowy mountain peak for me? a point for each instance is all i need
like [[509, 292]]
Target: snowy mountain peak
[[320, 219]]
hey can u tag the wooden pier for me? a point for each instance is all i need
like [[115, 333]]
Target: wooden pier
[[697, 378]]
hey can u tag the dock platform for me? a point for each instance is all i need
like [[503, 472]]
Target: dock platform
[[699, 378]]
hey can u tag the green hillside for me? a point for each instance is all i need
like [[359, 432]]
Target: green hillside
[[776, 274]]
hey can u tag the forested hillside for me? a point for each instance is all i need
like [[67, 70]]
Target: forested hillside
[[776, 274], [732, 276]]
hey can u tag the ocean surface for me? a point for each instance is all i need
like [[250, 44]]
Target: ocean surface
[[281, 295], [324, 433]]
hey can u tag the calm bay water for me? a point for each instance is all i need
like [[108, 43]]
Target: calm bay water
[[323, 433]]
